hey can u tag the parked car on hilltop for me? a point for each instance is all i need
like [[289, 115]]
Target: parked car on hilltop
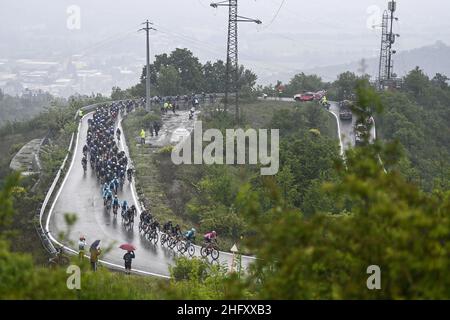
[[304, 97]]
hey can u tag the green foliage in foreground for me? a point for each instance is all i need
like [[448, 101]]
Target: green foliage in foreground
[[392, 224], [418, 118]]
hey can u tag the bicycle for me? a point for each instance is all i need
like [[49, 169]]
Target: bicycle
[[121, 183], [129, 177], [186, 246], [115, 208], [164, 238], [152, 236], [174, 240], [210, 249], [142, 227], [108, 205]]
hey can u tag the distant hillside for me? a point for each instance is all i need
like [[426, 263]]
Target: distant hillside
[[15, 108], [432, 59]]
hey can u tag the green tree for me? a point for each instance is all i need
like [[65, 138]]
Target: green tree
[[169, 81], [345, 85], [416, 81], [189, 68], [214, 76], [119, 94], [302, 82], [388, 222], [440, 81]]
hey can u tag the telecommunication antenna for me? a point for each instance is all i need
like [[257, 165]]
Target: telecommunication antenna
[[386, 75]]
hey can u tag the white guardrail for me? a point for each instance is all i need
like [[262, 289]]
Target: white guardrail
[[42, 232], [47, 238]]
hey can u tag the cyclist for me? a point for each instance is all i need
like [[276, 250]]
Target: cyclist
[[176, 231], [118, 133], [115, 204], [107, 196], [130, 174], [189, 236], [121, 174], [154, 225], [124, 208], [105, 187], [84, 163], [116, 183], [210, 237], [85, 149], [112, 185], [324, 102], [144, 216], [167, 227], [133, 211], [129, 216]]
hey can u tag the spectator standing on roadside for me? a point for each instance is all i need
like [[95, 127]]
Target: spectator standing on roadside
[[95, 253], [81, 246], [142, 134], [128, 258]]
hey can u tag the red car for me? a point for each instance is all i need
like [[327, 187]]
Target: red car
[[304, 97]]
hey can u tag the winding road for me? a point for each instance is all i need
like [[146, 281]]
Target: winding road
[[80, 194], [346, 132]]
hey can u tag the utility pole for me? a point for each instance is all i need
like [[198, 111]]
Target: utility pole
[[386, 66], [147, 29], [232, 67]]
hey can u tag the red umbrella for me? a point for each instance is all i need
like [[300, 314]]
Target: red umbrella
[[127, 247]]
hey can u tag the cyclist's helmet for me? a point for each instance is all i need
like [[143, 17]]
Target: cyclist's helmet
[[193, 229], [214, 233]]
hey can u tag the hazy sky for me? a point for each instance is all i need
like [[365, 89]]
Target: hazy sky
[[303, 34]]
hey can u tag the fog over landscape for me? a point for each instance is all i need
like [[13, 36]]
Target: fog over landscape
[[39, 51]]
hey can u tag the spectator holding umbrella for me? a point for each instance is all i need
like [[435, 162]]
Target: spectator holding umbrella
[[95, 252], [128, 257]]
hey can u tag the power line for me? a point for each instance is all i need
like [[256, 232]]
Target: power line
[[107, 41], [276, 15]]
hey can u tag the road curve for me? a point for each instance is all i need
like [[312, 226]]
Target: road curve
[[80, 194], [346, 132]]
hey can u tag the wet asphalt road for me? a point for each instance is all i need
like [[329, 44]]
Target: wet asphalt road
[[81, 195]]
